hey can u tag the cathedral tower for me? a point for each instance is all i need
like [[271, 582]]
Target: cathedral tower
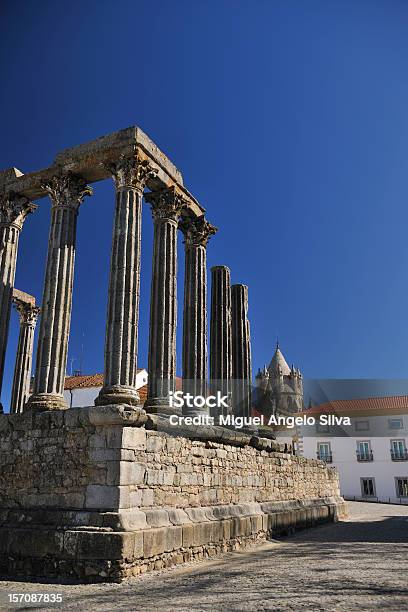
[[280, 388]]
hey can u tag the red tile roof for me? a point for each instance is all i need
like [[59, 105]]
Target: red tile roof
[[82, 382], [369, 405], [96, 380]]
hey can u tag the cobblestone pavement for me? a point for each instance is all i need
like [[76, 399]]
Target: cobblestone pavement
[[358, 564]]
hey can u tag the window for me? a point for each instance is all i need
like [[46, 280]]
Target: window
[[362, 425], [367, 487], [398, 450], [324, 452], [401, 485], [364, 452], [395, 423]]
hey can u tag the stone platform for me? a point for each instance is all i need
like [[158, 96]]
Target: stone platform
[[92, 494]]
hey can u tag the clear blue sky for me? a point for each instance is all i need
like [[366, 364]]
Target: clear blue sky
[[289, 121]]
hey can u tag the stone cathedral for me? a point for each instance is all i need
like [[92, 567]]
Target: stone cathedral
[[279, 387], [113, 490]]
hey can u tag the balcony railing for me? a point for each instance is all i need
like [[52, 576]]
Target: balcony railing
[[400, 455], [365, 455], [327, 457]]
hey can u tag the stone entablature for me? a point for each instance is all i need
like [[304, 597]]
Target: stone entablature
[[92, 161]]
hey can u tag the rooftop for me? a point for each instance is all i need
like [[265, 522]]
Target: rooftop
[[90, 381], [394, 404]]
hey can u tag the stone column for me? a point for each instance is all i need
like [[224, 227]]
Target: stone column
[[220, 334], [197, 233], [67, 193], [167, 206], [13, 211], [22, 371], [130, 176], [241, 351]]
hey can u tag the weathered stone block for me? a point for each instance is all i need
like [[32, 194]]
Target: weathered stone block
[[36, 543], [174, 538], [134, 438], [154, 542], [157, 517], [188, 535], [202, 533], [105, 497], [103, 545], [125, 473], [177, 516]]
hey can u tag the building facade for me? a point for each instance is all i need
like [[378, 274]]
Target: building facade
[[370, 454], [80, 391]]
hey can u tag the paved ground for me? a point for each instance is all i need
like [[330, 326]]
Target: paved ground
[[359, 564]]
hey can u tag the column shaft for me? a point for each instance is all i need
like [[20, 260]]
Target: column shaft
[[166, 209], [24, 358], [220, 337], [195, 356], [121, 343], [241, 351], [13, 211], [67, 193]]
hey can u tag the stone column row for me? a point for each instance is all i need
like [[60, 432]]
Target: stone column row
[[22, 371], [13, 212], [67, 193]]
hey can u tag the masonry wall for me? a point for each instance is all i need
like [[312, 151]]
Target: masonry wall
[[60, 459], [88, 494]]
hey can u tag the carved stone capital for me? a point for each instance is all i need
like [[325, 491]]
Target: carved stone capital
[[28, 313], [67, 190], [167, 204], [197, 232], [14, 209], [132, 172]]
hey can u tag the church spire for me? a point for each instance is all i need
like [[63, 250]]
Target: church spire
[[278, 363]]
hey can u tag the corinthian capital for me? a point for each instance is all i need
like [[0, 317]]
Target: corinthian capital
[[28, 313], [132, 172], [166, 204], [197, 232], [14, 209], [67, 190]]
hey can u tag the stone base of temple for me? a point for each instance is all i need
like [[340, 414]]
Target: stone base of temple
[[118, 395], [46, 401], [94, 494], [157, 405], [95, 546]]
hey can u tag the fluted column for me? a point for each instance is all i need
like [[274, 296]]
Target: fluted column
[[13, 211], [22, 371], [130, 176], [220, 334], [197, 233], [167, 206], [241, 351], [67, 193]]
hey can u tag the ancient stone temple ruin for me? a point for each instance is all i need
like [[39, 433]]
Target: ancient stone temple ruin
[[112, 490]]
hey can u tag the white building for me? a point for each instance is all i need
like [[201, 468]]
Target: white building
[[82, 390], [371, 453]]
